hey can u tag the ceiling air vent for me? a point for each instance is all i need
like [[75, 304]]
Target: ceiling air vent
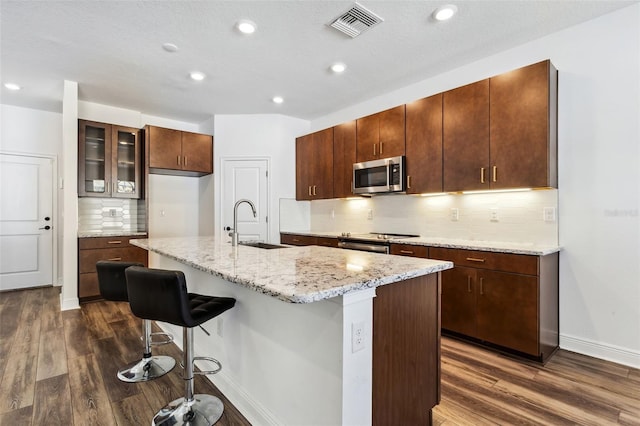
[[356, 20]]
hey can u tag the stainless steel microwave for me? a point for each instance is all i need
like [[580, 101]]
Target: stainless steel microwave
[[379, 176]]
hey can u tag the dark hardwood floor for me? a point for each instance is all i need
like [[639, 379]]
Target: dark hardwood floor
[[58, 368]]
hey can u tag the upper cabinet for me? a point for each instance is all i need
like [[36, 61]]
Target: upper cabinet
[[344, 155], [175, 152], [109, 160], [381, 135], [502, 132], [466, 137], [523, 127], [424, 145], [314, 165]]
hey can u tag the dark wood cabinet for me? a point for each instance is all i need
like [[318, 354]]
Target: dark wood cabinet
[[177, 152], [381, 135], [424, 145], [409, 250], [466, 137], [91, 250], [503, 299], [307, 240], [523, 127], [109, 160], [344, 155], [314, 165]]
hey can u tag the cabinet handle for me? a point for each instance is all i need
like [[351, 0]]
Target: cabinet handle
[[309, 190], [295, 240], [481, 174], [475, 259], [406, 251], [494, 174], [178, 160], [115, 258], [314, 190], [114, 242], [381, 147], [374, 149], [481, 289], [409, 182], [468, 283], [185, 161]]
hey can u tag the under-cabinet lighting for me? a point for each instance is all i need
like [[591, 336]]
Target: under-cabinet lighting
[[493, 191], [434, 194]]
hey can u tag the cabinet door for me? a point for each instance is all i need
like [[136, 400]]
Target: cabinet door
[[424, 145], [507, 310], [344, 155], [126, 163], [409, 250], [304, 167], [367, 138], [197, 152], [322, 161], [521, 129], [165, 148], [466, 137], [391, 130], [94, 159], [459, 300], [298, 240]]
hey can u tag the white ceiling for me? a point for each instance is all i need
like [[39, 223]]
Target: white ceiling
[[113, 49]]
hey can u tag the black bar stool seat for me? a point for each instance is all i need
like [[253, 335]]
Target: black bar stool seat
[[113, 286], [161, 295]]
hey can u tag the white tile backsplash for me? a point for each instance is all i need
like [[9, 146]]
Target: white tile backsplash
[[111, 214], [520, 216]]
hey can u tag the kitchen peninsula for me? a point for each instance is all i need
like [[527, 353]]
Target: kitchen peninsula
[[319, 335]]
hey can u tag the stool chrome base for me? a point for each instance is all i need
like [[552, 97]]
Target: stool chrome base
[[147, 369], [203, 410]]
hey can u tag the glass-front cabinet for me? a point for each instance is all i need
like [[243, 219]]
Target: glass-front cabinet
[[109, 160]]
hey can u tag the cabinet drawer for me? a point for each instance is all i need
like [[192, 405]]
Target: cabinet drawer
[[106, 242], [88, 258], [507, 262], [298, 240], [327, 242], [410, 250], [88, 286]]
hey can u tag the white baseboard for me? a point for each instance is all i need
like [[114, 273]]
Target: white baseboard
[[252, 410], [600, 350], [68, 304]]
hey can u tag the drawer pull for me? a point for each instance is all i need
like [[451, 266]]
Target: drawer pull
[[481, 174], [406, 251], [295, 240], [114, 242], [475, 259], [178, 159], [468, 284], [494, 174], [115, 258], [481, 288]]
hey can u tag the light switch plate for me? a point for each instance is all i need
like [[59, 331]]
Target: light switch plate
[[455, 214], [494, 214], [549, 214]]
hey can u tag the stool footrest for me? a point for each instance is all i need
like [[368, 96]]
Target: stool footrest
[[209, 359], [168, 338]]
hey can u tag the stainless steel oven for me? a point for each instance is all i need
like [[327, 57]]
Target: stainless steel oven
[[379, 176], [373, 242]]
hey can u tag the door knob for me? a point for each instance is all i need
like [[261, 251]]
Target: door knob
[[47, 227]]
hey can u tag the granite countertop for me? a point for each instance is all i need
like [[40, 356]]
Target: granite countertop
[[120, 233], [493, 246], [294, 274]]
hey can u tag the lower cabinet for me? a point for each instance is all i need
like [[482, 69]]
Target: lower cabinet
[[507, 300], [91, 250], [308, 240]]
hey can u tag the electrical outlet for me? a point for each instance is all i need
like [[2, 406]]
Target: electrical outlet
[[549, 214], [112, 212], [220, 327], [455, 214], [357, 336], [370, 214], [494, 214]]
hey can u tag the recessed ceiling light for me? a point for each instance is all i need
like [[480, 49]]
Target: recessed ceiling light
[[197, 76], [170, 47], [338, 67], [277, 99], [12, 86], [444, 12], [246, 26]]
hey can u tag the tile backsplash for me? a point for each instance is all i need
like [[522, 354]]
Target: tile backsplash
[[111, 214], [493, 216]]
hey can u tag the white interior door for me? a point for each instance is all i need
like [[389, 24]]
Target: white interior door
[[26, 221], [246, 179]]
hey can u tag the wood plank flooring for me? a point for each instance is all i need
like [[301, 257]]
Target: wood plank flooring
[[58, 368]]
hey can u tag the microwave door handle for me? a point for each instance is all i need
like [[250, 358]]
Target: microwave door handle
[[388, 175]]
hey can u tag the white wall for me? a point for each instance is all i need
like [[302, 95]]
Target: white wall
[[271, 136], [599, 177]]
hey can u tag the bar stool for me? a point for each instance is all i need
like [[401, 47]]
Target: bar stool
[[113, 286], [171, 303]]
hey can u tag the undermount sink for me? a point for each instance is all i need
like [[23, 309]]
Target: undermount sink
[[261, 245]]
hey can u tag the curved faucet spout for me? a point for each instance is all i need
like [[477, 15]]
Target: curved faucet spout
[[234, 232]]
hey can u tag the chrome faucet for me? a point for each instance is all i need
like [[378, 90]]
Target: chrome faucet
[[234, 231]]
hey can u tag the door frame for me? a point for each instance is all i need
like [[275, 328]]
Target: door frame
[[57, 185], [223, 161]]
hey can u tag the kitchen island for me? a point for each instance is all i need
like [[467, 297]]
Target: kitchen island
[[319, 335]]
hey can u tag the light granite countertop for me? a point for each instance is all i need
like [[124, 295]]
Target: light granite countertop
[[94, 234], [493, 246], [293, 274]]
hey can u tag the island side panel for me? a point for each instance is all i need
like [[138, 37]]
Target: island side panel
[[406, 351]]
